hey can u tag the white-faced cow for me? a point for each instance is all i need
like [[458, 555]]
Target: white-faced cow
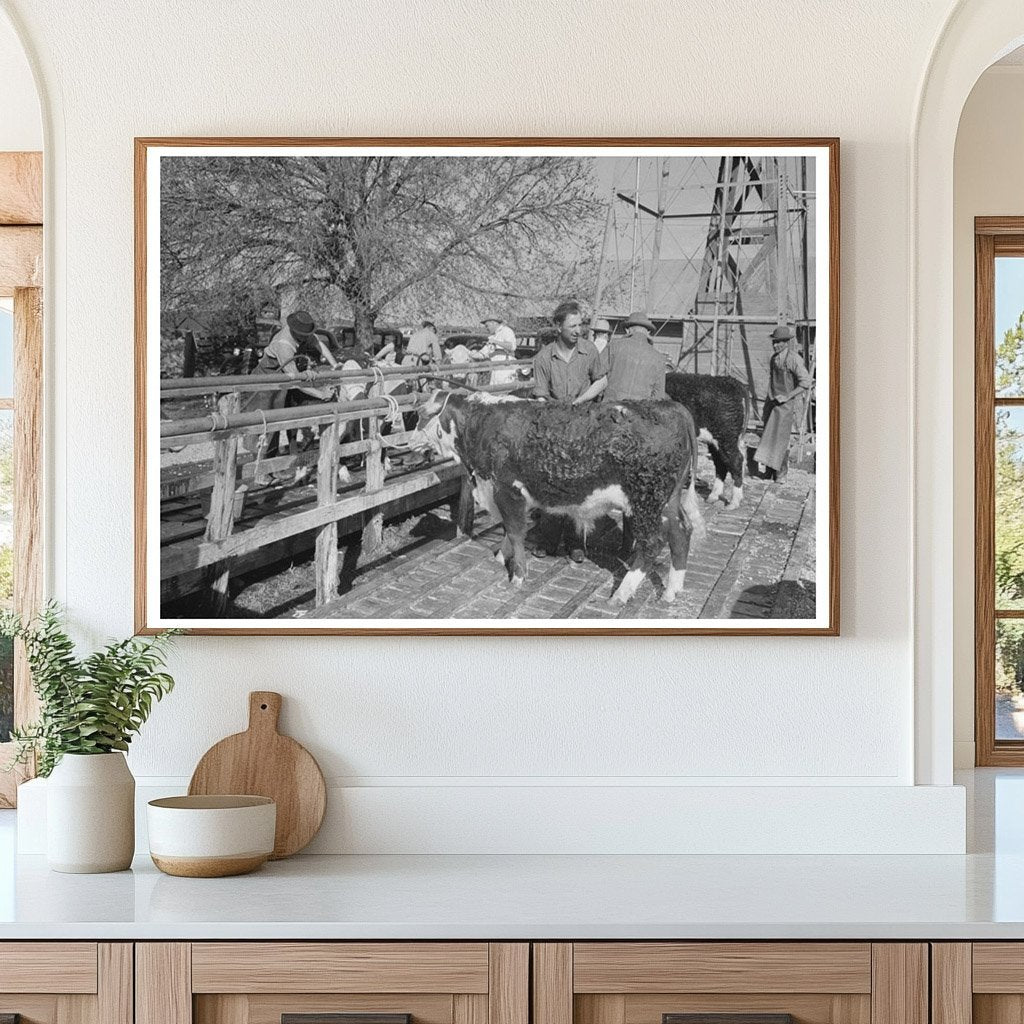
[[584, 462], [719, 409]]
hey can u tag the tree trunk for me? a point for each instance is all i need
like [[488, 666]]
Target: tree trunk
[[363, 318]]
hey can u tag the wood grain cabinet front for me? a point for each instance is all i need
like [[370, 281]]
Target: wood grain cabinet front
[[730, 983], [978, 983], [66, 982], [332, 983]]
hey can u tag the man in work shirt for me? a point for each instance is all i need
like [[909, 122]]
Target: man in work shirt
[[500, 337], [636, 370], [788, 382], [570, 369]]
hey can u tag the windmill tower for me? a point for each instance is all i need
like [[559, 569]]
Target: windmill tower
[[716, 249]]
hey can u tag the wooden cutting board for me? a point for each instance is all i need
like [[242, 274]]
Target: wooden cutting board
[[262, 762]]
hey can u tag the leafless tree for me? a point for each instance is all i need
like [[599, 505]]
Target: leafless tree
[[380, 231]]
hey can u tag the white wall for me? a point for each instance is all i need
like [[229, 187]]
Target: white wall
[[987, 182], [384, 713], [21, 127]]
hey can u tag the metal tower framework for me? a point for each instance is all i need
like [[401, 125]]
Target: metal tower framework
[[750, 267]]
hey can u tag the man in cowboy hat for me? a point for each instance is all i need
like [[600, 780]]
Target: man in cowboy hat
[[501, 337], [297, 336], [636, 370], [600, 333], [788, 383]]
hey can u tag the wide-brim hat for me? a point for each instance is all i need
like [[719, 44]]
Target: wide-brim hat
[[600, 325], [638, 319], [489, 317], [300, 323], [783, 333]]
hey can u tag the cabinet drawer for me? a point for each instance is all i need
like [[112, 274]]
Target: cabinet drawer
[[58, 967], [730, 983], [332, 983], [340, 967], [635, 967]]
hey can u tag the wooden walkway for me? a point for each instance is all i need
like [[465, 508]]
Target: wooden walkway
[[757, 562]]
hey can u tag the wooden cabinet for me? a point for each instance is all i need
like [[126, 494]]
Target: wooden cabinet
[[264, 982], [66, 982], [980, 982], [494, 983], [758, 982]]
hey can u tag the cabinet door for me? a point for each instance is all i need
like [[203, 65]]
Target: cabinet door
[[981, 982], [730, 983], [66, 983], [332, 983]]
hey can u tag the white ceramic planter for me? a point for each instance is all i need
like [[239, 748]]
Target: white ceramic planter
[[90, 814]]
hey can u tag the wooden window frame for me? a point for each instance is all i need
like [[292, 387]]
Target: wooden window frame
[[993, 237], [21, 274]]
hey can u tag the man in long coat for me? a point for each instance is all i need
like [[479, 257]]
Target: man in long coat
[[788, 383]]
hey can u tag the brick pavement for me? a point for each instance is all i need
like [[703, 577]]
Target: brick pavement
[[757, 562]]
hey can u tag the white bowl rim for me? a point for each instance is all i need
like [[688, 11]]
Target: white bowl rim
[[212, 802]]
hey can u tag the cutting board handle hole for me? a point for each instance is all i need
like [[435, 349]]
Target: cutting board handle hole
[[263, 707]]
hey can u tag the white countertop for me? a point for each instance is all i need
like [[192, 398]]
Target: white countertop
[[516, 897], [977, 896]]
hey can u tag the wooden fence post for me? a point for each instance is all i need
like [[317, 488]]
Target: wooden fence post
[[221, 519], [373, 524], [327, 535]]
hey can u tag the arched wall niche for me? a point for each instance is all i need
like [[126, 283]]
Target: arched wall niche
[[976, 34]]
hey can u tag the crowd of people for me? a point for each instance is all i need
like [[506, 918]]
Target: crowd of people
[[583, 363]]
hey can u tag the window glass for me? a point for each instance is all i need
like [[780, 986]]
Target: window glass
[[1009, 324], [1009, 512], [1009, 679]]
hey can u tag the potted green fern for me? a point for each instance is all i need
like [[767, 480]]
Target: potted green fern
[[89, 710]]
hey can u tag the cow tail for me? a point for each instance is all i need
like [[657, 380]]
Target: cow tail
[[689, 506]]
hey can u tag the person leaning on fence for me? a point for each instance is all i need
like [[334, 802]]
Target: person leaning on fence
[[297, 337], [500, 337], [424, 343], [570, 369], [636, 370], [788, 383]]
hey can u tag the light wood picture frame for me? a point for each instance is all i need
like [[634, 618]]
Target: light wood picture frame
[[390, 545]]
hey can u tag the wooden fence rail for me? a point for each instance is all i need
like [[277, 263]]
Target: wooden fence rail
[[210, 556], [189, 387]]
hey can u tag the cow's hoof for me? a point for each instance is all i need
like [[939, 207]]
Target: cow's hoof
[[517, 581], [668, 596], [736, 500], [499, 557]]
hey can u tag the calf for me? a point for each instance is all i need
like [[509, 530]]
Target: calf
[[719, 409], [637, 458]]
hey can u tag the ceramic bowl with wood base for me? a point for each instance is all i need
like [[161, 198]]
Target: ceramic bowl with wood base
[[211, 836]]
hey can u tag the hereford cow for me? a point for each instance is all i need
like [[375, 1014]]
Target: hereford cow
[[637, 458], [719, 409]]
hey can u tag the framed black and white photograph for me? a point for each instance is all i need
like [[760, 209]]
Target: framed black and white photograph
[[453, 386]]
